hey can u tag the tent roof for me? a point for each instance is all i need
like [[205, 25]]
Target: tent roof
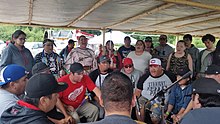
[[177, 17]]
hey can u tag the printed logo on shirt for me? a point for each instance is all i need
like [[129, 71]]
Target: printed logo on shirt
[[155, 87], [73, 95]]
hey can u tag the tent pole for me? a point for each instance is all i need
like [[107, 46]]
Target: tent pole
[[103, 37]]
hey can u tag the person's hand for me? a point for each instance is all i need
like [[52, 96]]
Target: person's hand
[[70, 108], [176, 118], [69, 120], [62, 73]]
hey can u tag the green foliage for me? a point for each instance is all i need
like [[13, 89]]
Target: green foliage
[[33, 33]]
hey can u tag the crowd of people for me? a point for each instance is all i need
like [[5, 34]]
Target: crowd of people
[[134, 84]]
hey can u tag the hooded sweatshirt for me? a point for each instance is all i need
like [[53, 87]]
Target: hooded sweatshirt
[[12, 55], [24, 113]]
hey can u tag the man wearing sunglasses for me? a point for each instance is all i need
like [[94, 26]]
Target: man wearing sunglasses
[[73, 97], [152, 82], [129, 70]]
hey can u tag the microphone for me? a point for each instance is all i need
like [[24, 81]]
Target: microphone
[[188, 74], [138, 106]]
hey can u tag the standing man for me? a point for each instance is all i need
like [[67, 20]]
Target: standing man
[[13, 81], [73, 97], [82, 55], [202, 63], [192, 50], [41, 93], [126, 48], [163, 50], [206, 101], [152, 82], [49, 57], [63, 54], [117, 98]]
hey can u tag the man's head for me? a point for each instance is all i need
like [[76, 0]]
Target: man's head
[[208, 40], [181, 73], [163, 40], [48, 45], [148, 42], [40, 67], [127, 41], [13, 79], [77, 72], [42, 91], [71, 43], [117, 93], [155, 67], [213, 71], [103, 63], [206, 93], [187, 39], [128, 65], [83, 41]]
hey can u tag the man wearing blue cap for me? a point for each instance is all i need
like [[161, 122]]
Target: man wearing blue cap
[[13, 81]]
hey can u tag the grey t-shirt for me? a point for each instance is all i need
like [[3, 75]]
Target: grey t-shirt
[[208, 115], [115, 119], [7, 100]]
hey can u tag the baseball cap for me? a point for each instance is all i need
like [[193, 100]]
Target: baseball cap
[[76, 67], [127, 61], [103, 58], [49, 40], [71, 41], [148, 39], [39, 67], [183, 71], [206, 86], [155, 61], [12, 73], [213, 69], [42, 84]]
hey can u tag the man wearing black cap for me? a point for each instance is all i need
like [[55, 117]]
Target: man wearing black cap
[[126, 48], [49, 57], [206, 98], [63, 54], [98, 77], [74, 98], [36, 102]]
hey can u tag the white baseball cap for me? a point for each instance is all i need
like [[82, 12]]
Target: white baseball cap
[[155, 61]]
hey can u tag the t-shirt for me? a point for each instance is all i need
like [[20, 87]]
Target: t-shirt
[[207, 115], [7, 100], [124, 51], [115, 119], [140, 62], [151, 85], [75, 93]]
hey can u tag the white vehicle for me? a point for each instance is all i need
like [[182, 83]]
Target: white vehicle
[[34, 47]]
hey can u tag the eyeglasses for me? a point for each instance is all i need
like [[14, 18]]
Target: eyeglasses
[[22, 38], [128, 66]]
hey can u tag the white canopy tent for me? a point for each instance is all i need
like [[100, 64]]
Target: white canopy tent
[[116, 36]]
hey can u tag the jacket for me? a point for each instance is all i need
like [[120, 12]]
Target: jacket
[[12, 55], [24, 113]]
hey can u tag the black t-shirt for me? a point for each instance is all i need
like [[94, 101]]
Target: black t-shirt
[[123, 51]]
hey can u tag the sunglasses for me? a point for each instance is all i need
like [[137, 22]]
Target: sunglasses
[[128, 66]]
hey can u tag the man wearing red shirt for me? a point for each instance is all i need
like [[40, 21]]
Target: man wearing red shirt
[[74, 98]]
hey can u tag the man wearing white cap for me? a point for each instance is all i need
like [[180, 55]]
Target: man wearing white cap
[[13, 81], [152, 82]]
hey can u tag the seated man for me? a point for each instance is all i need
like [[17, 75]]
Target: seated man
[[152, 82], [14, 78], [206, 101], [41, 93], [73, 97], [117, 98]]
